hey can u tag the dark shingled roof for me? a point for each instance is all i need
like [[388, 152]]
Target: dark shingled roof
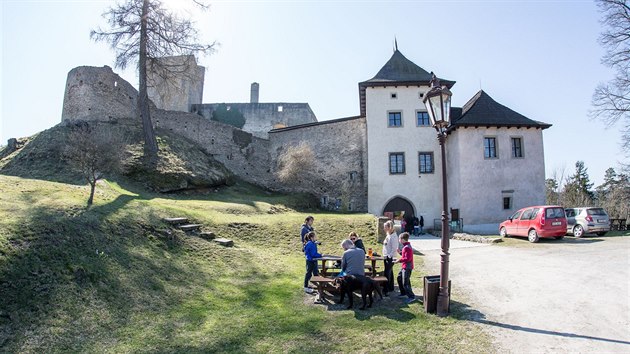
[[482, 110], [399, 68], [398, 71]]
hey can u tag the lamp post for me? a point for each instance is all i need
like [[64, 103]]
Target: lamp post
[[438, 103]]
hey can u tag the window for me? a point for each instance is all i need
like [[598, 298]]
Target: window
[[280, 108], [515, 215], [395, 119], [394, 95], [423, 119], [490, 148], [517, 147], [527, 214], [396, 163], [425, 162], [353, 175], [554, 213], [507, 203]]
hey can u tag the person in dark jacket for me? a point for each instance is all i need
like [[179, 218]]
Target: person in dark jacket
[[310, 252], [408, 224], [358, 243], [306, 228]]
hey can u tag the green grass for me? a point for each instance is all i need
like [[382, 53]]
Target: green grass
[[112, 280]]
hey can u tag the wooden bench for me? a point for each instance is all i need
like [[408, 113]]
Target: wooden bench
[[322, 283]]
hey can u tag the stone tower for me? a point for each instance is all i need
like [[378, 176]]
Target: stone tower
[[253, 97], [175, 83], [97, 93]]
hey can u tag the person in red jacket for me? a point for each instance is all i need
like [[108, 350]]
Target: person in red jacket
[[404, 276]]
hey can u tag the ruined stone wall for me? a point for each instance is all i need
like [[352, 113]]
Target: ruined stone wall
[[175, 83], [98, 94], [340, 149], [242, 153], [263, 117]]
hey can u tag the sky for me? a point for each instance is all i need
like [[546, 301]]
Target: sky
[[539, 58]]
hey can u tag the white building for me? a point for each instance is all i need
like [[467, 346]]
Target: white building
[[495, 156]]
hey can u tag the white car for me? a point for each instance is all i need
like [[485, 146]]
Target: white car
[[587, 220]]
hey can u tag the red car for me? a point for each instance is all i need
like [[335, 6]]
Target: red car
[[535, 222]]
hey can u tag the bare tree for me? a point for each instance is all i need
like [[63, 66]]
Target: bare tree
[[144, 30], [611, 100], [93, 153], [297, 165]]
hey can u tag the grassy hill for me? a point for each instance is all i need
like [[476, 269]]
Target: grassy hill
[[111, 279], [114, 278]]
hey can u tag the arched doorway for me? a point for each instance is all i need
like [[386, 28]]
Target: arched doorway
[[397, 208]]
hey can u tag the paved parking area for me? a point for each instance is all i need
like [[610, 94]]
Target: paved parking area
[[568, 296], [428, 242]]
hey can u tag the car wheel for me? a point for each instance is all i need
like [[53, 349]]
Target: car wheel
[[601, 233], [503, 232], [559, 237], [578, 231], [532, 236]]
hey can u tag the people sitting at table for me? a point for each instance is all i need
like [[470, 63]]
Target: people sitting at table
[[310, 252], [358, 243], [353, 259]]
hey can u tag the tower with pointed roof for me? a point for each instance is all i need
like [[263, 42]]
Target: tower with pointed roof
[[495, 156]]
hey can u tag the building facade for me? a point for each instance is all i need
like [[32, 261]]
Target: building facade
[[385, 161], [495, 156]]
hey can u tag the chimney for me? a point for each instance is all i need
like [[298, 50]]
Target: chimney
[[253, 98]]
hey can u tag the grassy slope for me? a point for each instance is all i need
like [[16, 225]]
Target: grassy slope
[[110, 280]]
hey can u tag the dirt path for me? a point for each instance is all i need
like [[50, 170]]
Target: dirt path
[[551, 297]]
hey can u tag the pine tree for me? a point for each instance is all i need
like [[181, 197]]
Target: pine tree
[[577, 191]]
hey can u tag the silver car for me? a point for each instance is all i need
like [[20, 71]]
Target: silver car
[[587, 220]]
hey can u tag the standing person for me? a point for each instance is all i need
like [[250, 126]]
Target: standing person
[[310, 252], [390, 247], [353, 259], [421, 224], [416, 226], [358, 243], [408, 224], [404, 276], [306, 228]]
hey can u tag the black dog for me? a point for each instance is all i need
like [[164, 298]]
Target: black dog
[[349, 283]]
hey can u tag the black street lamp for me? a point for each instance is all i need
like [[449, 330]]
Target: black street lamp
[[438, 103]]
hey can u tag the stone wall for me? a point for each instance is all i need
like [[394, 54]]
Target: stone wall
[[340, 149], [98, 94], [263, 117], [175, 83], [242, 153]]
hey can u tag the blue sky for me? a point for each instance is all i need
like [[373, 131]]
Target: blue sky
[[540, 58]]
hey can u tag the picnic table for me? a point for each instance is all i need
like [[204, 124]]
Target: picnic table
[[325, 280]]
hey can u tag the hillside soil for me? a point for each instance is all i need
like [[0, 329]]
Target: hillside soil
[[556, 296]]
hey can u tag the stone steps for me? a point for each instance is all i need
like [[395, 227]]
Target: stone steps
[[184, 225]]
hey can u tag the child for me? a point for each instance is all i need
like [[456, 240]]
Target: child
[[310, 251], [404, 276]]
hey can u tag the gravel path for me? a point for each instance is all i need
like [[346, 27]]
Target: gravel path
[[569, 296]]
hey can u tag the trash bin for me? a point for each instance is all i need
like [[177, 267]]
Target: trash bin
[[431, 291]]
